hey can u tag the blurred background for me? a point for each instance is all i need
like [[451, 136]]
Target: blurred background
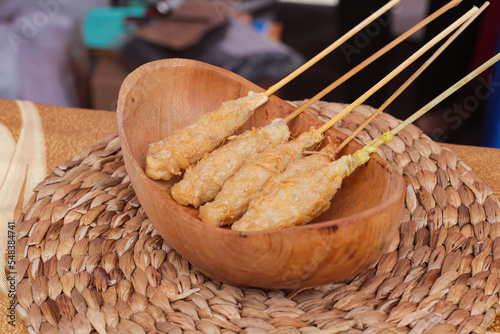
[[77, 53]]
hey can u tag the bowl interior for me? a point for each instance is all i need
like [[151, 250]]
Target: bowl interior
[[161, 97], [170, 97]]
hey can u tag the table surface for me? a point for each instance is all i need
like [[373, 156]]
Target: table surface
[[485, 162], [63, 132]]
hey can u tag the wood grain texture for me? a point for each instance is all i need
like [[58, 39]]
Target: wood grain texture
[[163, 96]]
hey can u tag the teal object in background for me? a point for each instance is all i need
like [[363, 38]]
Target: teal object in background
[[103, 26], [137, 3]]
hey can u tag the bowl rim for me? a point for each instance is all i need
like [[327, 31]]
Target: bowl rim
[[133, 77]]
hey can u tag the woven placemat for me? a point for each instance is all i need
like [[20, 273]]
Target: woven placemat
[[89, 260]]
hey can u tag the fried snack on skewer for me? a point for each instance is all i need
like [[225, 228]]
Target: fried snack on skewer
[[233, 199], [311, 162], [329, 152], [302, 197], [186, 146], [204, 180], [235, 195]]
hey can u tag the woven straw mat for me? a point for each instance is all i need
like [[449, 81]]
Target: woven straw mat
[[89, 260]]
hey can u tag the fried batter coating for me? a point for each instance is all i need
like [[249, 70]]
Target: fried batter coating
[[308, 164], [185, 146], [302, 197], [203, 181], [232, 201]]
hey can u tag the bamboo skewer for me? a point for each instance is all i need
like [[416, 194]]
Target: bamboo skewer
[[330, 48], [201, 185], [413, 77], [183, 153], [398, 69], [373, 57], [314, 162], [236, 196], [289, 203], [447, 93]]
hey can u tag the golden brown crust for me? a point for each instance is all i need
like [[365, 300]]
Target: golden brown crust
[[233, 199], [203, 181], [302, 197], [310, 163], [184, 147]]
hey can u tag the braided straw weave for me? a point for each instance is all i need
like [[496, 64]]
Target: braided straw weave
[[89, 260]]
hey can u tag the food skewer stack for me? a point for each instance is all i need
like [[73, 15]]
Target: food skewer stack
[[289, 203], [232, 201], [186, 146], [329, 152], [204, 180], [163, 161], [233, 187], [309, 165]]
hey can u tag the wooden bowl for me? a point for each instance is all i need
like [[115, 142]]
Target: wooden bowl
[[363, 220]]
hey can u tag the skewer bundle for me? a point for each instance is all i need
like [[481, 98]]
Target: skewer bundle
[[200, 184], [283, 203], [292, 201], [186, 146]]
